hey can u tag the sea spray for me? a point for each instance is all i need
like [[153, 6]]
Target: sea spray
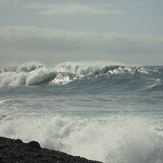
[[109, 139]]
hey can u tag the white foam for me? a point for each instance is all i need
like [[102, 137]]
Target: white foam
[[29, 66], [10, 101], [85, 68], [114, 139], [25, 78], [34, 73]]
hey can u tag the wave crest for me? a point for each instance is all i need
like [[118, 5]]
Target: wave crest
[[33, 73], [29, 66]]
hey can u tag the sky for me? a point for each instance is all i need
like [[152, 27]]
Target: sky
[[56, 31]]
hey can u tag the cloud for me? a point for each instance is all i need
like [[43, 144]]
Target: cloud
[[60, 40], [71, 9], [17, 1], [4, 1], [33, 42], [11, 1], [145, 2]]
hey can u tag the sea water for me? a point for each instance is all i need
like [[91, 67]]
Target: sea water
[[103, 111]]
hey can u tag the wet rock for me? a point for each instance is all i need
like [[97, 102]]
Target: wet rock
[[34, 144], [15, 151], [18, 141], [3, 146]]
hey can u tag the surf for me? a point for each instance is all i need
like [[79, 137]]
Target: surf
[[103, 111], [116, 138], [33, 73]]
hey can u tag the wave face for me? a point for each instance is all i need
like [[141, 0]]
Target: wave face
[[97, 74]]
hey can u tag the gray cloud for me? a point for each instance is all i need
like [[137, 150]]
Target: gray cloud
[[71, 9], [11, 1], [145, 2], [20, 41], [60, 40]]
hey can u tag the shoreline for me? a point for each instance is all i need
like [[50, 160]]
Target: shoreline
[[15, 151]]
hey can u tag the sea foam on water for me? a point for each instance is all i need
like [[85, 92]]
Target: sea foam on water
[[109, 139]]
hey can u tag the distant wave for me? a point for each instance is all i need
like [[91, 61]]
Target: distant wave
[[33, 73]]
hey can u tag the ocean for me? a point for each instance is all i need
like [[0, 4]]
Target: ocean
[[104, 111]]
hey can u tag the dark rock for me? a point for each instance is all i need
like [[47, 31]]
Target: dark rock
[[34, 144], [3, 146], [15, 151], [38, 156], [0, 158], [18, 141]]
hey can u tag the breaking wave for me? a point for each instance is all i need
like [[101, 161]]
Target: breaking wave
[[112, 139], [34, 73]]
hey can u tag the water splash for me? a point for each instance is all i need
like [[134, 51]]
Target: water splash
[[112, 139]]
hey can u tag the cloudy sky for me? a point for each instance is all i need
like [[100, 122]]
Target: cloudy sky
[[55, 31]]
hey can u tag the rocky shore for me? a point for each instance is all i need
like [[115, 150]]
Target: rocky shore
[[16, 151]]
